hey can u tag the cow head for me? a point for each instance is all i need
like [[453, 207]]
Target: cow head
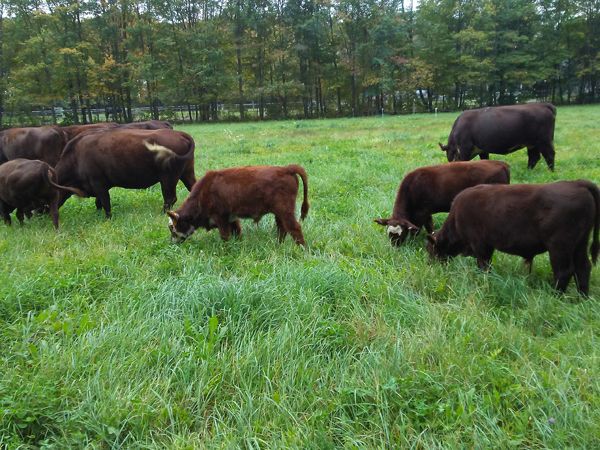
[[181, 228], [398, 229], [443, 246], [432, 247], [450, 150]]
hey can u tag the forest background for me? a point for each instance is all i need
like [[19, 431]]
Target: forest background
[[71, 61]]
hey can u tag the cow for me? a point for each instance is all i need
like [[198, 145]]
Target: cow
[[43, 143], [429, 190], [128, 158], [502, 130], [525, 220], [148, 125], [72, 131], [222, 197], [26, 185]]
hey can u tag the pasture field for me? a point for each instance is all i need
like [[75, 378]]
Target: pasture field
[[111, 336]]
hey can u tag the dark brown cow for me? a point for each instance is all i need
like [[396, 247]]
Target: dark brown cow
[[43, 143], [526, 220], [148, 125], [26, 185], [222, 197], [73, 131], [429, 190], [128, 158], [502, 130]]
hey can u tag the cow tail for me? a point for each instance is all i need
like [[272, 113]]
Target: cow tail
[[298, 170], [507, 172], [49, 178], [191, 148], [595, 245], [3, 158]]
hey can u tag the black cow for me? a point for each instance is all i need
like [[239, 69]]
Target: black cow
[[502, 130], [128, 158], [26, 185], [525, 220]]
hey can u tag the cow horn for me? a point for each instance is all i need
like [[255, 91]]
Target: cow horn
[[173, 215]]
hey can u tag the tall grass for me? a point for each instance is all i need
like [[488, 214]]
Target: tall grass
[[113, 337]]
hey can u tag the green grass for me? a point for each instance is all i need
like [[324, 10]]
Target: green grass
[[111, 336]]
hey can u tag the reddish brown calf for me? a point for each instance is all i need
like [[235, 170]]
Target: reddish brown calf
[[222, 197], [526, 220], [429, 190]]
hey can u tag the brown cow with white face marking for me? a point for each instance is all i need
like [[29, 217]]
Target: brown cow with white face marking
[[128, 158], [526, 220], [429, 190], [26, 185], [222, 197], [43, 143]]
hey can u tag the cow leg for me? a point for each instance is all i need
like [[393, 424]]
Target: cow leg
[[281, 233], [548, 154], [224, 227], [484, 257], [562, 268], [187, 176], [292, 226], [528, 262], [20, 216], [168, 187], [583, 269], [236, 228], [104, 198], [428, 224], [533, 156], [98, 204], [484, 156], [54, 212], [5, 211]]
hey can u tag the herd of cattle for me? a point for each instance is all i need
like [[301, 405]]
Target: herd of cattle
[[41, 167]]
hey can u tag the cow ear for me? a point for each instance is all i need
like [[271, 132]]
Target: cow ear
[[173, 215], [383, 222], [411, 226], [443, 147], [431, 238]]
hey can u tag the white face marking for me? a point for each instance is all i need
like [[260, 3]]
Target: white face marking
[[395, 230], [170, 222]]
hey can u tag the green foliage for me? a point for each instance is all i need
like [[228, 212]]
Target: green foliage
[[267, 59], [111, 336]]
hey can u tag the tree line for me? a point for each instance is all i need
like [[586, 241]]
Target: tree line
[[208, 60]]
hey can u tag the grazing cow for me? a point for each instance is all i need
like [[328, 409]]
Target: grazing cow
[[429, 190], [43, 143], [128, 158], [148, 125], [525, 220], [26, 185], [221, 197], [502, 130]]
